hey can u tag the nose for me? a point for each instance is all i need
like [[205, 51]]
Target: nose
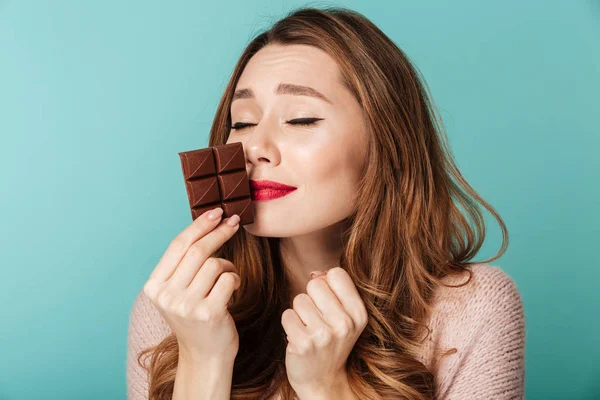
[[261, 146]]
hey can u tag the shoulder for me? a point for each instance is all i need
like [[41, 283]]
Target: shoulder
[[490, 290], [488, 309], [477, 343]]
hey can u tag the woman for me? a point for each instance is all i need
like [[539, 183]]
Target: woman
[[326, 103]]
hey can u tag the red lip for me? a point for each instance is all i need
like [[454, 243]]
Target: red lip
[[267, 190], [266, 184]]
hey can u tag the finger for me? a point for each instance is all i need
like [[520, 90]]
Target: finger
[[307, 311], [326, 301], [207, 276], [198, 253], [221, 293], [343, 287], [293, 325], [180, 244]]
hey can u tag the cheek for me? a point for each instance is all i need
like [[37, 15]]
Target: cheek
[[330, 175], [319, 164]]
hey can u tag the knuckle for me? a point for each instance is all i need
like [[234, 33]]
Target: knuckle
[[211, 315], [325, 336], [224, 234], [225, 262], [177, 246], [229, 278], [213, 265], [314, 284], [304, 345], [343, 327], [149, 289], [183, 310], [196, 250], [164, 299], [203, 314], [299, 299]]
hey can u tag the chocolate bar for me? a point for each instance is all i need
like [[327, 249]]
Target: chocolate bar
[[216, 177]]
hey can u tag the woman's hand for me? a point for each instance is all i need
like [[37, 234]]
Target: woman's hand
[[322, 328], [191, 290]]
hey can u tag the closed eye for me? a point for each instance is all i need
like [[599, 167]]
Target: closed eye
[[297, 121]]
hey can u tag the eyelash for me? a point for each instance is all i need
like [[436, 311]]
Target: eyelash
[[304, 122]]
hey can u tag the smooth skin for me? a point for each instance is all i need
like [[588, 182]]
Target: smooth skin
[[191, 291], [325, 160], [322, 328]]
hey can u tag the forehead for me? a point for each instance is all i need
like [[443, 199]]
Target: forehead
[[297, 64]]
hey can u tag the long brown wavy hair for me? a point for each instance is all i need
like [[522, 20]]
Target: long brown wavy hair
[[406, 233]]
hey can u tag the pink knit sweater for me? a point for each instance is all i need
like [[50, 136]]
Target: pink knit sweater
[[484, 321]]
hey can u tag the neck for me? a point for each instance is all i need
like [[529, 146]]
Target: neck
[[317, 251]]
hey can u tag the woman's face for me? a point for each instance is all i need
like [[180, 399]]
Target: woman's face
[[323, 160]]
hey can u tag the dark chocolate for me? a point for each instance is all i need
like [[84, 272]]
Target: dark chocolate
[[216, 177]]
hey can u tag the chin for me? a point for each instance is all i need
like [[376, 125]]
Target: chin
[[286, 228], [276, 227], [258, 229]]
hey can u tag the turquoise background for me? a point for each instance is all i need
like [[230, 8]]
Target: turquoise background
[[97, 99]]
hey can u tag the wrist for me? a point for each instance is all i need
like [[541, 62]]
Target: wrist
[[199, 361], [202, 378], [338, 390]]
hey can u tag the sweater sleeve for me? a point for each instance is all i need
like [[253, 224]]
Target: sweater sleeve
[[146, 328], [492, 363]]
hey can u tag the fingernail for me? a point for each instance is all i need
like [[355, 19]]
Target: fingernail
[[234, 220], [317, 273], [216, 213]]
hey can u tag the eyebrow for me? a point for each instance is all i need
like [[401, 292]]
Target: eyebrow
[[284, 88]]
